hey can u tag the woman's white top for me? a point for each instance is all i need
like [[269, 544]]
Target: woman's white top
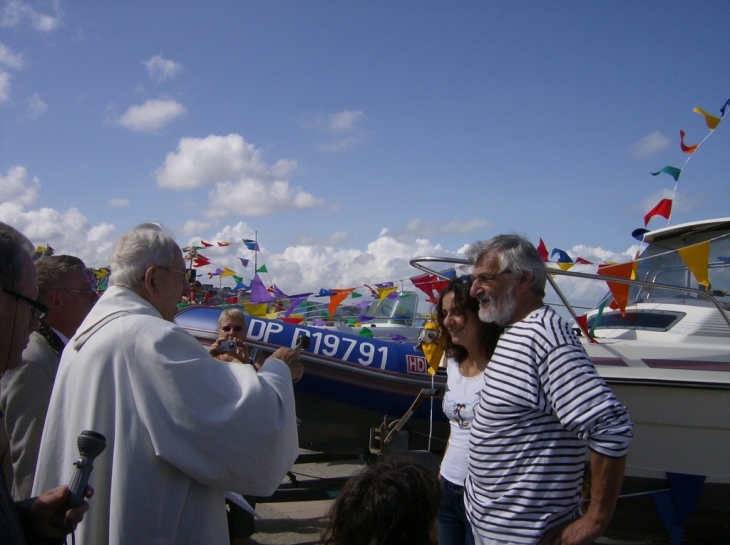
[[462, 396]]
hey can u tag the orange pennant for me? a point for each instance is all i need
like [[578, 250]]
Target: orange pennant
[[689, 150], [619, 290]]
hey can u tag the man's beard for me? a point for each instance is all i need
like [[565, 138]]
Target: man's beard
[[499, 311]]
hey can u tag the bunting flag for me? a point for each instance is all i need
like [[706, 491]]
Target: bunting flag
[[564, 260], [101, 273], [251, 245], [240, 286], [710, 120], [262, 269], [697, 259], [278, 293], [689, 150], [324, 293], [663, 209], [256, 309], [582, 261], [543, 251], [237, 278], [431, 285], [365, 332], [198, 262], [638, 234], [295, 302], [724, 106], [244, 262], [217, 272], [619, 290], [336, 299], [677, 504], [582, 320], [354, 294], [599, 317], [259, 294], [373, 291], [227, 272], [44, 250], [233, 299], [674, 172], [224, 243], [205, 244], [386, 292], [431, 347]]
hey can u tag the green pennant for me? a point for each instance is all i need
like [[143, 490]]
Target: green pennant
[[262, 269], [354, 294], [237, 278]]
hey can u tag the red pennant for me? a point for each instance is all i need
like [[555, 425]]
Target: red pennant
[[543, 251]]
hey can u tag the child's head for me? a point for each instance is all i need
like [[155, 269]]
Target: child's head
[[394, 501]]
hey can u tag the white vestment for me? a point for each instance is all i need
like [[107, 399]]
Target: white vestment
[[181, 427]]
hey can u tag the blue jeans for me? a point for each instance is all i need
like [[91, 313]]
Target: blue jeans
[[454, 528]]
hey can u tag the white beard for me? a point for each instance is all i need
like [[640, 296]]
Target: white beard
[[499, 311]]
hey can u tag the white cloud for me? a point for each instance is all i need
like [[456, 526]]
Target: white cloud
[[117, 203], [16, 187], [191, 227], [161, 69], [17, 12], [342, 128], [682, 201], [67, 232], [651, 144], [418, 229], [35, 107], [10, 59], [151, 115], [4, 86], [243, 182]]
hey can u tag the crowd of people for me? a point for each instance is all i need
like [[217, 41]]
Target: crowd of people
[[183, 423]]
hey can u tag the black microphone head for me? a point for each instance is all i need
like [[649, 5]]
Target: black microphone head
[[91, 444]]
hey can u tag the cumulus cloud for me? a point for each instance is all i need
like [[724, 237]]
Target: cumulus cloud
[[682, 201], [342, 129], [161, 69], [243, 182], [17, 12], [67, 232], [10, 59], [35, 107], [651, 144], [417, 229], [151, 116], [117, 203], [4, 86], [17, 187], [192, 227]]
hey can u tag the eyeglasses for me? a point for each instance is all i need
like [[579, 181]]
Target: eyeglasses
[[484, 278], [235, 328], [85, 291], [39, 310], [186, 273], [465, 279]]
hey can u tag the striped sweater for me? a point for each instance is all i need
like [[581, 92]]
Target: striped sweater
[[542, 403]]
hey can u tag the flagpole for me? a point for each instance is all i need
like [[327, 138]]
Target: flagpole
[[255, 250]]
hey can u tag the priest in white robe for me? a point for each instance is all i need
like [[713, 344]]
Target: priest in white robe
[[181, 427]]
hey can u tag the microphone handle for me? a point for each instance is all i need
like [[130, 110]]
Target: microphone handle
[[80, 479]]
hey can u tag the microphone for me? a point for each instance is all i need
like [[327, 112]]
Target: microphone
[[90, 444]]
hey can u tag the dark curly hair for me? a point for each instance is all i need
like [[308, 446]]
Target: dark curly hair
[[464, 303], [393, 502]]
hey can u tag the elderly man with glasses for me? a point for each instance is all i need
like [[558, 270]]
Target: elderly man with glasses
[[46, 516], [63, 286], [181, 428]]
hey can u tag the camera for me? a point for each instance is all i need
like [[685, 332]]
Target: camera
[[228, 346]]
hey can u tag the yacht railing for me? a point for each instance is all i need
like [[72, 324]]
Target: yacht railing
[[417, 263]]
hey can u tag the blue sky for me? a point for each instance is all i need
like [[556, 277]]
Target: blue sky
[[353, 136]]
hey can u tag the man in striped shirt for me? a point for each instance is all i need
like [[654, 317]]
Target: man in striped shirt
[[543, 402]]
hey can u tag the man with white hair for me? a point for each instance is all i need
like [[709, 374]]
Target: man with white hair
[[46, 516], [180, 427], [542, 403], [26, 390]]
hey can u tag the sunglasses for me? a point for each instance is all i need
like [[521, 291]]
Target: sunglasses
[[235, 328], [39, 310]]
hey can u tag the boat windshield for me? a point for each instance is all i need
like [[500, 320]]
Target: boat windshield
[[400, 310], [664, 265]]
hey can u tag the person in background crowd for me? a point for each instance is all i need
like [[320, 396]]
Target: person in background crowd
[[43, 519], [542, 403], [393, 502], [64, 288], [468, 344], [180, 427]]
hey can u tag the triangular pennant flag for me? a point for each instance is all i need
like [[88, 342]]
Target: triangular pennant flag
[[431, 347], [710, 120], [295, 302], [386, 291], [677, 504], [697, 259], [336, 299], [237, 278], [244, 262], [227, 272], [689, 150], [582, 320], [543, 251], [619, 290], [639, 233], [205, 244], [583, 261], [724, 106], [599, 317], [259, 294], [324, 293], [217, 272], [663, 209], [564, 260], [224, 243], [256, 309], [262, 269], [674, 172], [251, 245]]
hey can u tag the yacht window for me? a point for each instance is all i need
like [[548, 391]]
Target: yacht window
[[654, 320]]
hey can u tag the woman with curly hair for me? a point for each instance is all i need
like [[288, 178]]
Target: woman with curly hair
[[468, 344]]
